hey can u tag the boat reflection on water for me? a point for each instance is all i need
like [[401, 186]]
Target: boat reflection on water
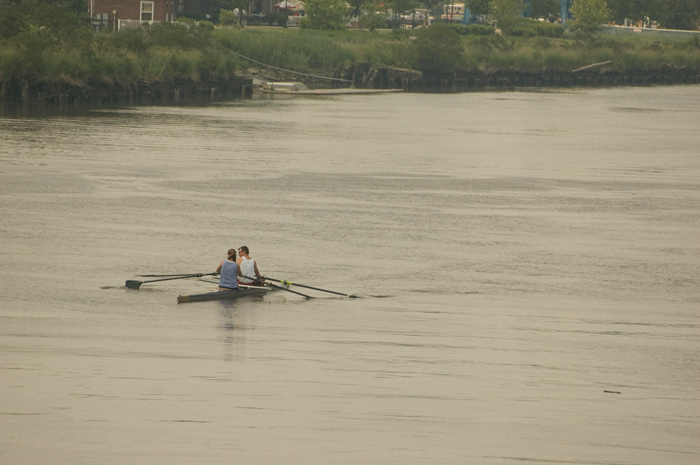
[[283, 86], [299, 88]]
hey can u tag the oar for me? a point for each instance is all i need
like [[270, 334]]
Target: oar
[[163, 275], [137, 284], [244, 286], [289, 290], [301, 285]]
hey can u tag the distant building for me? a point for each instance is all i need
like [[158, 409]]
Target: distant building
[[124, 14]]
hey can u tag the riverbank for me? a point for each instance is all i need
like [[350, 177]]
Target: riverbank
[[140, 93], [173, 64], [360, 78], [598, 76]]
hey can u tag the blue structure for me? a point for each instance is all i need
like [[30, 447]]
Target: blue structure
[[468, 18], [564, 5]]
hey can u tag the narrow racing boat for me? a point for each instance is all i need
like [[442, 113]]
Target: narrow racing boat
[[243, 291]]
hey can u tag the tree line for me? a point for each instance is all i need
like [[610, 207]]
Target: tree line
[[670, 14], [333, 14]]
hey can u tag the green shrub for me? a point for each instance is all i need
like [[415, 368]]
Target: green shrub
[[549, 29], [133, 40], [227, 18], [471, 29], [522, 30], [438, 49], [12, 62], [479, 29], [372, 21]]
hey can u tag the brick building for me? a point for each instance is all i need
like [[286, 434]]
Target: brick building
[[123, 14]]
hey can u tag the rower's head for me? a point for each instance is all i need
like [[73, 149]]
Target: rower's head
[[243, 250], [232, 254]]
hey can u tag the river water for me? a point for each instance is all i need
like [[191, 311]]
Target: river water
[[527, 266]]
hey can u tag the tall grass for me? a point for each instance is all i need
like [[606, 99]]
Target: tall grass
[[564, 55], [297, 50], [162, 53], [11, 63]]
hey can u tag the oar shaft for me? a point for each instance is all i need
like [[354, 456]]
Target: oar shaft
[[131, 284], [164, 275], [302, 285], [315, 288]]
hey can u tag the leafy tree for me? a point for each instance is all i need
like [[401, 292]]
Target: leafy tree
[[404, 6], [478, 7], [622, 9], [589, 15], [325, 14], [372, 20], [672, 14], [356, 6], [636, 10], [55, 20], [438, 49], [547, 9], [507, 12], [681, 14]]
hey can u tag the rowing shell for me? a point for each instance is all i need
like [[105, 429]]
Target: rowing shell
[[221, 295]]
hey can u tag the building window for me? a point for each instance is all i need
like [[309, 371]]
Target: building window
[[146, 11]]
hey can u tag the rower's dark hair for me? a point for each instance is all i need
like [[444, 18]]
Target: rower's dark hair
[[244, 249], [232, 252]]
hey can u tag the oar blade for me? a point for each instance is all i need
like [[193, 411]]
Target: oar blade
[[133, 284]]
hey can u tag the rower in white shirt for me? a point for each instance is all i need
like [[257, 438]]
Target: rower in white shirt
[[249, 269]]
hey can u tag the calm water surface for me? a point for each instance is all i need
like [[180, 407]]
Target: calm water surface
[[528, 267]]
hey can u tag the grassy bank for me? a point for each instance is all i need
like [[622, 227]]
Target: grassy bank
[[164, 53], [175, 54], [327, 52]]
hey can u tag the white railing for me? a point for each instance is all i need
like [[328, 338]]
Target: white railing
[[132, 23], [648, 30]]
